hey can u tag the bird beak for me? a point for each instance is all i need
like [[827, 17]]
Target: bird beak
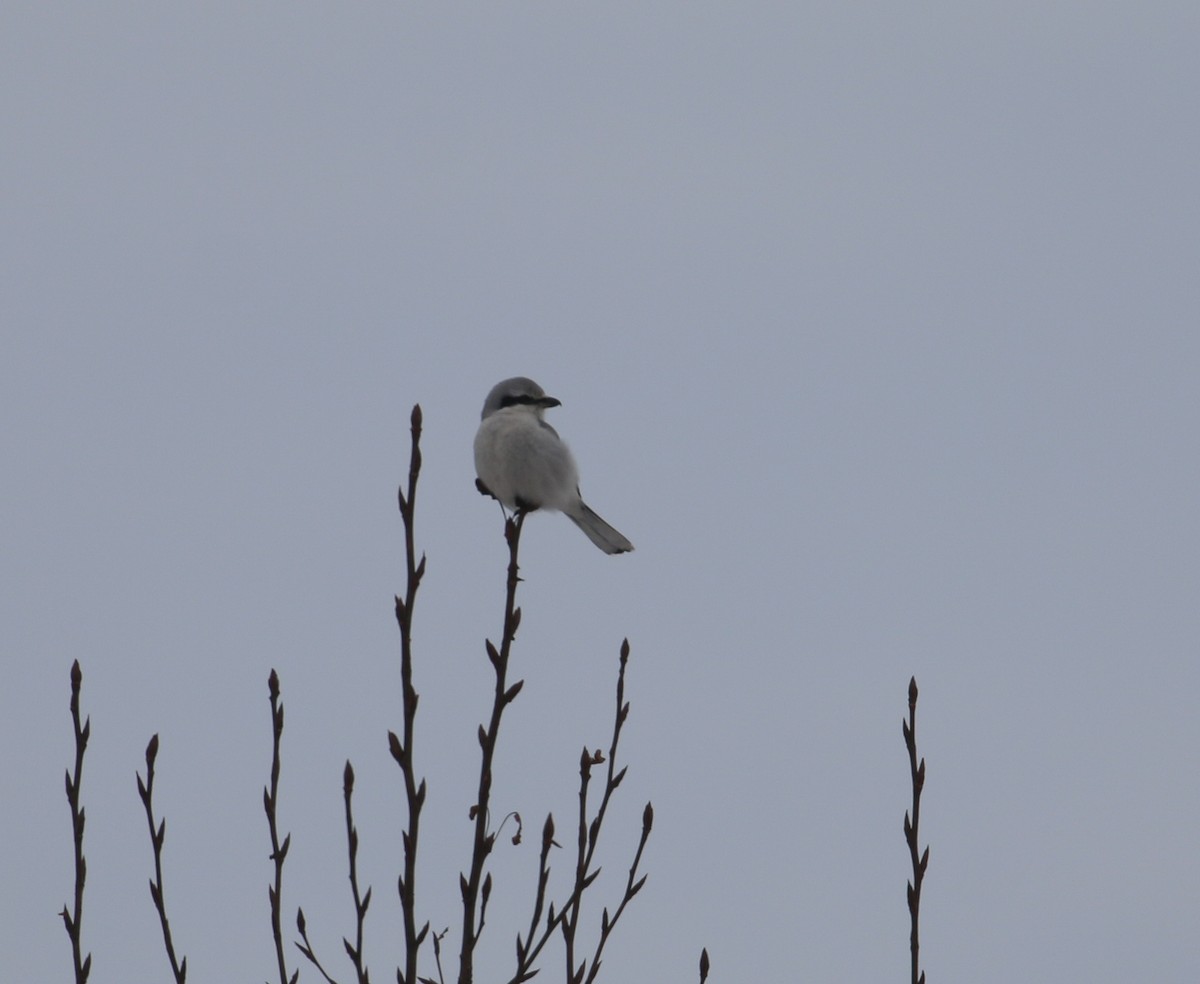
[[549, 401]]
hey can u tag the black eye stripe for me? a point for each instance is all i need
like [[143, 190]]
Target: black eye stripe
[[508, 401]]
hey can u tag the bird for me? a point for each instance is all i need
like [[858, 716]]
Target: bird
[[521, 461]]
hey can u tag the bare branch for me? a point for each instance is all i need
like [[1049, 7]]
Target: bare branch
[[158, 835], [402, 749], [361, 902], [73, 918], [911, 832], [278, 850], [483, 839]]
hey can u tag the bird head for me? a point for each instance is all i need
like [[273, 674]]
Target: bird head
[[519, 392]]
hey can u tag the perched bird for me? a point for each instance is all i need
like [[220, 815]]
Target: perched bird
[[521, 460]]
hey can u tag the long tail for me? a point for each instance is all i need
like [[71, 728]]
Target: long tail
[[599, 532]]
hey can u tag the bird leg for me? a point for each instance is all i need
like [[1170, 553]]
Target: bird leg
[[521, 504]]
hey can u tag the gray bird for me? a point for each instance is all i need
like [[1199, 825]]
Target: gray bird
[[521, 460]]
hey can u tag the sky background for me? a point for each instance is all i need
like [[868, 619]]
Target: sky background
[[875, 328]]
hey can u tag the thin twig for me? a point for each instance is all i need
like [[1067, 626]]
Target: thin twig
[[278, 850], [437, 956], [588, 837], [402, 749], [158, 835], [525, 954], [571, 910], [472, 883], [911, 826], [361, 902], [73, 920], [633, 885], [306, 948]]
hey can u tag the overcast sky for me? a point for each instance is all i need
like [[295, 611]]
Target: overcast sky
[[875, 328]]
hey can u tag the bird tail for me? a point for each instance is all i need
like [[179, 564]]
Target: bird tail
[[599, 532]]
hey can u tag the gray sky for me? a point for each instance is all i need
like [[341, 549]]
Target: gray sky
[[875, 328]]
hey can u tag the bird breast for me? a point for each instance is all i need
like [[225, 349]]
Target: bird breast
[[518, 456]]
